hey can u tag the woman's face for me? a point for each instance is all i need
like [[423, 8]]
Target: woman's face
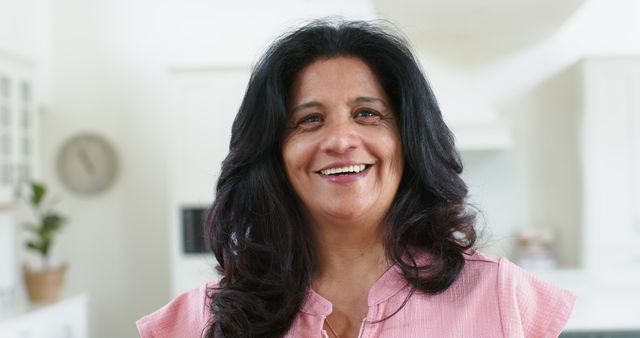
[[342, 151]]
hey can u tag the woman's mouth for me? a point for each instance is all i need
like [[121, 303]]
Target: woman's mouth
[[345, 174], [344, 170]]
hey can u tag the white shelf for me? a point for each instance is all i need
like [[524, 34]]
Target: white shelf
[[603, 302], [67, 318]]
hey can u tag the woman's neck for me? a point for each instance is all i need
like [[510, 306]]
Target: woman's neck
[[350, 259], [348, 255]]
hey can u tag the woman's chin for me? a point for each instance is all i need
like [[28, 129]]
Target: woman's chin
[[349, 214]]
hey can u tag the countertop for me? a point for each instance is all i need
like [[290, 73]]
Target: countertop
[[606, 300]]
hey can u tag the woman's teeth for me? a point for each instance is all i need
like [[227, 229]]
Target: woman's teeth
[[351, 169]]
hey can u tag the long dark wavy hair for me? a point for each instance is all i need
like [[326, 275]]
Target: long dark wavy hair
[[256, 227]]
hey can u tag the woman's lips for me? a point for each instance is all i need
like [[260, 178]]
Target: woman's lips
[[347, 169], [346, 177]]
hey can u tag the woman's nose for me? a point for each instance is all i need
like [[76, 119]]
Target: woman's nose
[[340, 137]]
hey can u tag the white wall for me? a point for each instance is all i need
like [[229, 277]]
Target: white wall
[[25, 34]]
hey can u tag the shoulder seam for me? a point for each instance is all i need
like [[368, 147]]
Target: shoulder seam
[[499, 285], [479, 257]]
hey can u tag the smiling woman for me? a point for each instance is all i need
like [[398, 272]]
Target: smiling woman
[[340, 210], [342, 151]]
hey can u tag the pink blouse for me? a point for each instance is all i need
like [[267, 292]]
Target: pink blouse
[[491, 298]]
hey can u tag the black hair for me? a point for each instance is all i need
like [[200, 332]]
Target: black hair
[[256, 227]]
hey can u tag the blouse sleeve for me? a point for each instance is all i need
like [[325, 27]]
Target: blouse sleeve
[[529, 306], [185, 316]]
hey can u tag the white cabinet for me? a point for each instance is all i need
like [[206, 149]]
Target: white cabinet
[[17, 125], [581, 131], [610, 155], [205, 101], [65, 319], [8, 265]]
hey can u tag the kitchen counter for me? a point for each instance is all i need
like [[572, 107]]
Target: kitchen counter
[[605, 300]]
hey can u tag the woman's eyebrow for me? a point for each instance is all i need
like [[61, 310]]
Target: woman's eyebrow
[[355, 101], [368, 99], [310, 104]]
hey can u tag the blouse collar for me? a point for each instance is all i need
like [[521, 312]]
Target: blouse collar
[[390, 283]]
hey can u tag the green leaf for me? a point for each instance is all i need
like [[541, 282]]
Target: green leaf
[[52, 222], [38, 192], [45, 247], [38, 247], [49, 224]]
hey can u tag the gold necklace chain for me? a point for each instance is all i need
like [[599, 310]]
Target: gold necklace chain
[[331, 328]]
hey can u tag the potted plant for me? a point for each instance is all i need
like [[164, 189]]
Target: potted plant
[[45, 284]]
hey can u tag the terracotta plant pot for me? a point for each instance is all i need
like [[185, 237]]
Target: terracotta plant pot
[[45, 286]]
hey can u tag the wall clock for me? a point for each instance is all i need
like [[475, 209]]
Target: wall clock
[[87, 164]]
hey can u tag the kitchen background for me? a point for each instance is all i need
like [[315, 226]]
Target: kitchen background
[[543, 96]]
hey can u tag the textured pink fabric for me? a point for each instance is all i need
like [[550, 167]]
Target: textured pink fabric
[[185, 316], [491, 298]]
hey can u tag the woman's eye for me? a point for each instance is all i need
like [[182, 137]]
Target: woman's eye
[[310, 120], [367, 115]]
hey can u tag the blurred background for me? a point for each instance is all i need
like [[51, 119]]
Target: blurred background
[[123, 110]]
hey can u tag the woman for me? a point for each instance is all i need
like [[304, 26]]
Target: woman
[[340, 211]]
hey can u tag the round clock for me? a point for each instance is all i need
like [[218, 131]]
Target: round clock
[[87, 163]]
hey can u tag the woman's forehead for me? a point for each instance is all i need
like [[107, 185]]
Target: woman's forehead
[[345, 78]]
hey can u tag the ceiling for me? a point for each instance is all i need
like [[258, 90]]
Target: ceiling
[[476, 30]]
